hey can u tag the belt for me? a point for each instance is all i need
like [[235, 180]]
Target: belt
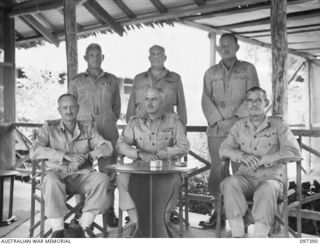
[[225, 103]]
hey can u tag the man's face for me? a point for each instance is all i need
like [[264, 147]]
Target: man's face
[[256, 103], [152, 102], [68, 109], [94, 58], [227, 47], [157, 57]]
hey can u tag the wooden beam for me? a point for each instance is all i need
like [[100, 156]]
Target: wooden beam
[[242, 38], [41, 17], [70, 26], [101, 14], [264, 21], [279, 46], [36, 6], [244, 9], [125, 8], [200, 2], [159, 6], [40, 28], [79, 27], [213, 45]]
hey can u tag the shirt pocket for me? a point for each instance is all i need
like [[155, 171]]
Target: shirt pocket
[[140, 141], [164, 139], [268, 142], [217, 87], [81, 145], [85, 100]]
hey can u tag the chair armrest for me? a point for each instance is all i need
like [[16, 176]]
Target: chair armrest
[[287, 160]]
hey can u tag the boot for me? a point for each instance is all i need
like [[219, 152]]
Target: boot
[[212, 222]]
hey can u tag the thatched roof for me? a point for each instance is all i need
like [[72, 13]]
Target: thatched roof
[[37, 21]]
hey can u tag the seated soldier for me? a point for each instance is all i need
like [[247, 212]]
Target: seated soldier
[[151, 136], [70, 147], [258, 143]]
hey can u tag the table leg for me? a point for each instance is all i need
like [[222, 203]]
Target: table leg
[[151, 194], [1, 199], [11, 218]]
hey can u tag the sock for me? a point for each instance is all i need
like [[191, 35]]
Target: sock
[[260, 230], [133, 214], [237, 227]]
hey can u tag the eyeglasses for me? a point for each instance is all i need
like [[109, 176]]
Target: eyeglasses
[[251, 101]]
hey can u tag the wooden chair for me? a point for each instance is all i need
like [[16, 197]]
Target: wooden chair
[[283, 219], [37, 176]]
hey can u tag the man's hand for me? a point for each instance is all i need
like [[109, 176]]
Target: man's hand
[[73, 166], [226, 124], [250, 160], [147, 157], [74, 157]]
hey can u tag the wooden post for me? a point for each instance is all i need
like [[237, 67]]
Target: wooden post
[[7, 96], [279, 56], [213, 44], [70, 25]]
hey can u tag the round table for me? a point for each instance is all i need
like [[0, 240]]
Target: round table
[[149, 190]]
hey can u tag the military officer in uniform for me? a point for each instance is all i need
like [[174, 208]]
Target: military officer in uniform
[[150, 136], [224, 89], [258, 143], [70, 146], [98, 96], [159, 77]]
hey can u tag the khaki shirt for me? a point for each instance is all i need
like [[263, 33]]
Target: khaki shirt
[[99, 100], [164, 135], [53, 141], [170, 82], [272, 141], [224, 93]]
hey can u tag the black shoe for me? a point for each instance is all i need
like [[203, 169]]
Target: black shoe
[[212, 222], [112, 220], [127, 219], [58, 234], [174, 219], [87, 233]]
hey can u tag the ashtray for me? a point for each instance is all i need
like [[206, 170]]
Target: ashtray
[[156, 165]]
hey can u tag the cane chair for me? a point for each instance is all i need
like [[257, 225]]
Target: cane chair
[[281, 218], [37, 176]]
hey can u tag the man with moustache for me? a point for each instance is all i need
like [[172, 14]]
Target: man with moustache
[[258, 143], [223, 97], [98, 96], [70, 147], [151, 136]]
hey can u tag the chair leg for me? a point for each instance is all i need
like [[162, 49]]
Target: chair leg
[[180, 214], [120, 223], [186, 194], [105, 226], [42, 217], [219, 211]]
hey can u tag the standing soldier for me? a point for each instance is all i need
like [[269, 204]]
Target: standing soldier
[[159, 77], [223, 102], [98, 96]]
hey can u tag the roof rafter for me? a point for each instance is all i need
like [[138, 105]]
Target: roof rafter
[[41, 29], [79, 27], [200, 2], [125, 8], [263, 21], [97, 11], [159, 6], [248, 40]]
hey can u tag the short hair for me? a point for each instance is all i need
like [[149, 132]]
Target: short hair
[[93, 46], [67, 95], [157, 46], [255, 89], [229, 35], [158, 90]]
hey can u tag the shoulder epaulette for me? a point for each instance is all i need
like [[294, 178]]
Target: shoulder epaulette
[[53, 122]]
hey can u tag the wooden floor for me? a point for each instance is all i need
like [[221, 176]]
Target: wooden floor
[[20, 229]]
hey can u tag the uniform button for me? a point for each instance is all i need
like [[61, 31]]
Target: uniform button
[[153, 143], [255, 148], [269, 144], [255, 136], [152, 133]]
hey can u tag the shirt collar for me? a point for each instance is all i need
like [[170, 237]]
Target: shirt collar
[[76, 131], [147, 118], [164, 73], [265, 124], [100, 74], [224, 67]]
